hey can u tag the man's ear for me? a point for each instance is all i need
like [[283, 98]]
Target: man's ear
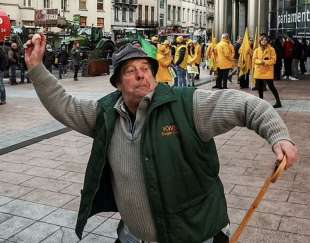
[[118, 86]]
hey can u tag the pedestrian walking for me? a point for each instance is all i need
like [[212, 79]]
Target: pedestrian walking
[[288, 47], [278, 46], [76, 56], [180, 61], [4, 62], [164, 58], [303, 56], [23, 68], [49, 58], [13, 61], [264, 59], [224, 61], [62, 61], [154, 159]]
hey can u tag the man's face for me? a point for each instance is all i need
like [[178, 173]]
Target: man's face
[[137, 80]]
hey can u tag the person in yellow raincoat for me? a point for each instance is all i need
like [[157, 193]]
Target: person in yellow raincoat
[[164, 59], [264, 59], [192, 70], [197, 57], [211, 56], [225, 53]]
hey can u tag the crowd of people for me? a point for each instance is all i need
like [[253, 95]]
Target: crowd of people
[[12, 59]]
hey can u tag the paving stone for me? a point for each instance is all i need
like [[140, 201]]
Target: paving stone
[[73, 177], [13, 225], [42, 230], [42, 162], [91, 238], [14, 191], [63, 235], [26, 209], [47, 184], [67, 218], [73, 205], [45, 172], [261, 220], [74, 167], [14, 178], [74, 189], [4, 217], [49, 198], [250, 191], [257, 235], [301, 198], [4, 200], [295, 225], [14, 167], [233, 170], [108, 228]]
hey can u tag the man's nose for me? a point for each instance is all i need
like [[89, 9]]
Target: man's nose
[[139, 74]]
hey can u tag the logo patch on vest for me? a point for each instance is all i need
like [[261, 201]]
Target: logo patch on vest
[[169, 130]]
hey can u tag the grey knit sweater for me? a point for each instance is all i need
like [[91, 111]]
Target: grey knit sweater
[[215, 112]]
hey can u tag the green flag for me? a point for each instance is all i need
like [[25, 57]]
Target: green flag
[[147, 47]]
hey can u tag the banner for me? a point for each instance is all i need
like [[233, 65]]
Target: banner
[[46, 17]]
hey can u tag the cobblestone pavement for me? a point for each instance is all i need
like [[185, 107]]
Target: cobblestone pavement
[[40, 184]]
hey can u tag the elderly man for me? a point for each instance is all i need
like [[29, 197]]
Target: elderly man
[[154, 159]]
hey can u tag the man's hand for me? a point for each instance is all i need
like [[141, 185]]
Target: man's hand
[[288, 149], [34, 52]]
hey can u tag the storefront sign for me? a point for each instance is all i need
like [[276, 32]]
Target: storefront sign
[[46, 17], [298, 17]]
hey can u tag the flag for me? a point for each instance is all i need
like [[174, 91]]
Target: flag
[[147, 47], [245, 56], [255, 45]]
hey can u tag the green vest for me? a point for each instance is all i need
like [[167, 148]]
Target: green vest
[[184, 190]]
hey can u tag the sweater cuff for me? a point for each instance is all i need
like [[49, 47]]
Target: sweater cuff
[[280, 137], [38, 73]]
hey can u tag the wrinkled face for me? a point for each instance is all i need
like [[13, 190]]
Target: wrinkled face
[[136, 80]]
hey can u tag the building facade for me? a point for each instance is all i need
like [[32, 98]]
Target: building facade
[[274, 17], [87, 12]]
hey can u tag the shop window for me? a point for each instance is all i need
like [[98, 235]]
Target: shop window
[[83, 20], [100, 22]]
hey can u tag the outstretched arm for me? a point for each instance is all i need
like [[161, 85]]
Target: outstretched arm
[[218, 112], [76, 113]]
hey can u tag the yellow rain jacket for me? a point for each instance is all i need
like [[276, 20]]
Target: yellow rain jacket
[[183, 64], [197, 54], [164, 59], [225, 53], [263, 61]]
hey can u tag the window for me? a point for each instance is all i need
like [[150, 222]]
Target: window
[[25, 2], [29, 3], [173, 13], [193, 16], [169, 12], [152, 14], [82, 4], [179, 14], [83, 20], [100, 22], [140, 13], [64, 5], [146, 14], [188, 15], [100, 5], [162, 4], [124, 17], [130, 15], [183, 17], [116, 14], [161, 21], [47, 4]]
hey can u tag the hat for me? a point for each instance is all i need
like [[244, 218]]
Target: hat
[[129, 52]]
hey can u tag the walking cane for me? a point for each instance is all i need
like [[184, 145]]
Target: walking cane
[[271, 179]]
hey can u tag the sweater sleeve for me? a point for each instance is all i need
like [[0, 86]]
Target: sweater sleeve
[[78, 114], [218, 112]]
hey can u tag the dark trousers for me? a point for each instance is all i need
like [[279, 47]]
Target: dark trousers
[[260, 88], [278, 69], [222, 76], [76, 70], [198, 75], [288, 66], [244, 81], [302, 66]]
